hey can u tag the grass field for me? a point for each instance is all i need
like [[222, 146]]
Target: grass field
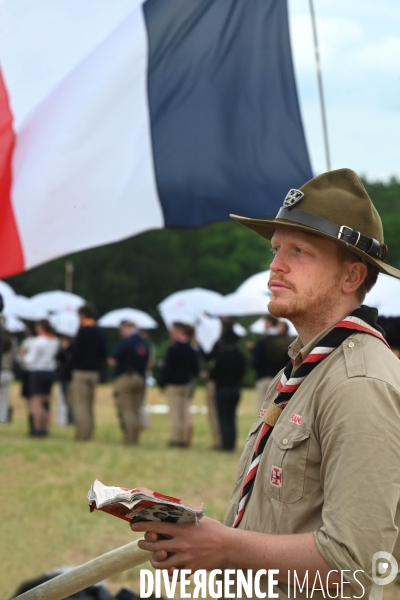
[[45, 521], [44, 517]]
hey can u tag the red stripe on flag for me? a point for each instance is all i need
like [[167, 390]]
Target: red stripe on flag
[[11, 256]]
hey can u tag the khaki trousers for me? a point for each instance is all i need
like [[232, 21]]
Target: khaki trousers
[[129, 395], [212, 414], [262, 386], [82, 389], [179, 415]]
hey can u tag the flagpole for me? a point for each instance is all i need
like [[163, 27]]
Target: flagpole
[[320, 88], [69, 274]]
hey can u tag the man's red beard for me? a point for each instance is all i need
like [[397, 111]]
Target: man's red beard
[[313, 307]]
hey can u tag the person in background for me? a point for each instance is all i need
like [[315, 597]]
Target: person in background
[[25, 372], [270, 355], [9, 350], [181, 366], [144, 412], [41, 362], [130, 359], [64, 365], [396, 351], [213, 420], [228, 368], [191, 333], [88, 353]]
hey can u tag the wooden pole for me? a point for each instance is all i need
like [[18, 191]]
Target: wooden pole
[[69, 276], [92, 572]]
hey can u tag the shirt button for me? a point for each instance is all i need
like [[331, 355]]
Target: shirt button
[[284, 441], [351, 344]]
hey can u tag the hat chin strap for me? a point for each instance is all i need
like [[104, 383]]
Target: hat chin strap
[[369, 245]]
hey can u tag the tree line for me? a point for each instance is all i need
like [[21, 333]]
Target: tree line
[[141, 271]]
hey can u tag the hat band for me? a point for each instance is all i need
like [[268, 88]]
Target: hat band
[[369, 245]]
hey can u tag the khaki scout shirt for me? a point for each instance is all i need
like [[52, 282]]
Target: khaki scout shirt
[[332, 463]]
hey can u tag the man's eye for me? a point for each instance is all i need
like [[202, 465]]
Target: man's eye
[[299, 250]]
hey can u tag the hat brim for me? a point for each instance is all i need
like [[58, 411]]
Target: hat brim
[[266, 228]]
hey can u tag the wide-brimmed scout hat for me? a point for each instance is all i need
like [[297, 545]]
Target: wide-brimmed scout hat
[[334, 205]]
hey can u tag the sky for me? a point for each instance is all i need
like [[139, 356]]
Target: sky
[[359, 42]]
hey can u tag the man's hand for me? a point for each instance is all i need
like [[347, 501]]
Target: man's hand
[[211, 545], [186, 545]]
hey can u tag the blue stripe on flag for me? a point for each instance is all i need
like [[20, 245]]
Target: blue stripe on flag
[[226, 126]]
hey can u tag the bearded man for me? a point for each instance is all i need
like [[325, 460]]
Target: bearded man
[[318, 483]]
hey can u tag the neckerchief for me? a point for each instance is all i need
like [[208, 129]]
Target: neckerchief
[[362, 320]]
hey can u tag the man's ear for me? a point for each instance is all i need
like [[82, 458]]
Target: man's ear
[[355, 276]]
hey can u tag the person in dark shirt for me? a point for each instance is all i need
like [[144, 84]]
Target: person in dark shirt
[[88, 352], [269, 355], [64, 368], [181, 366], [228, 368], [130, 358]]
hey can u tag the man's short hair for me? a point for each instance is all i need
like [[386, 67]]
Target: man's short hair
[[46, 326], [127, 323], [88, 311], [271, 319], [184, 328]]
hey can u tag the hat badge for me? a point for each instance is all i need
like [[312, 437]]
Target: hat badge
[[292, 197]]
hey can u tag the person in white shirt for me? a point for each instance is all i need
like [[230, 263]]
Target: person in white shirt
[[23, 349], [9, 348], [41, 362]]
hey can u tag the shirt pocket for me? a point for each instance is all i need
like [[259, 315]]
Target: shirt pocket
[[286, 459], [248, 450]]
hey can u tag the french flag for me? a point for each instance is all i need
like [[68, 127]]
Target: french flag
[[120, 116]]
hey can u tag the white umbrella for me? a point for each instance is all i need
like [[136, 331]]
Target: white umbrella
[[24, 308], [6, 290], [239, 329], [141, 319], [65, 323], [12, 323], [207, 331], [259, 327], [385, 296], [58, 301], [240, 305], [185, 306], [256, 284]]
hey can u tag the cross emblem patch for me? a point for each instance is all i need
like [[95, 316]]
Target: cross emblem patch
[[292, 197], [276, 476]]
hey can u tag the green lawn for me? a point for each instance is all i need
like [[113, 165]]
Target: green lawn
[[45, 520]]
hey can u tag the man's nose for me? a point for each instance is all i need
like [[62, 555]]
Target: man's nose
[[279, 264]]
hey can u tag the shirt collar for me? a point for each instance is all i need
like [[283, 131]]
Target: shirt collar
[[298, 352]]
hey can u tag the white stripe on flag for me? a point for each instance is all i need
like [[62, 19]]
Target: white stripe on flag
[[83, 170]]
